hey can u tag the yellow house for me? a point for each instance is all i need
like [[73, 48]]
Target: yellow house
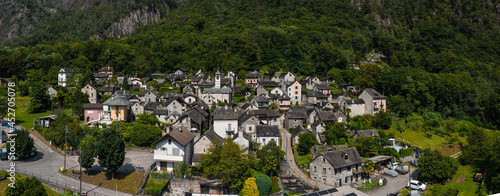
[[115, 108]]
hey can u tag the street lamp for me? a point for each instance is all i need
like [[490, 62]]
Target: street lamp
[[66, 144]]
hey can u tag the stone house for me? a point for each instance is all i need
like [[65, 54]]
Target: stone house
[[337, 168], [92, 91], [269, 117], [247, 123], [52, 92], [149, 96], [261, 91], [252, 78], [297, 132], [286, 78], [325, 89], [203, 143], [190, 99], [174, 105], [374, 101], [277, 91], [315, 97], [260, 101], [295, 118], [212, 95], [357, 106], [366, 133], [189, 89]]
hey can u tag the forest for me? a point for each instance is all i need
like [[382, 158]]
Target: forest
[[441, 56]]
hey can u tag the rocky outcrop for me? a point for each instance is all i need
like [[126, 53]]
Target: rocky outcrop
[[127, 25]]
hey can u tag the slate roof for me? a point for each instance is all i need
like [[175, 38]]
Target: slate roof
[[182, 137], [109, 88], [337, 160], [316, 123], [298, 130], [195, 116], [261, 99], [225, 81], [170, 95], [268, 113], [368, 133], [323, 87], [157, 94], [374, 94], [216, 91], [160, 111], [354, 101], [268, 84], [245, 116], [267, 131], [91, 85], [226, 115], [327, 116], [307, 109], [116, 100], [245, 135], [253, 74], [169, 101], [151, 106], [317, 94], [297, 115], [92, 105]]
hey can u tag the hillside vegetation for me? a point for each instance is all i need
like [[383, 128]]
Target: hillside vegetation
[[442, 56]]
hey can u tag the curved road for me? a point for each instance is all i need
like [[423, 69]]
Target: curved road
[[287, 147], [48, 163]]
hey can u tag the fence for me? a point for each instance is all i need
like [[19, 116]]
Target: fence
[[147, 174], [47, 180]]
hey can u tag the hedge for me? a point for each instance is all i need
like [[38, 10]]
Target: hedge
[[406, 152]]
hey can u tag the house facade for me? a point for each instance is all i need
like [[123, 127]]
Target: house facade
[[115, 109], [63, 76], [225, 122], [268, 133], [174, 147], [294, 92], [92, 112], [374, 101], [337, 168], [92, 91]]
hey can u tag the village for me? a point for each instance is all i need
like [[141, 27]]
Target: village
[[195, 111]]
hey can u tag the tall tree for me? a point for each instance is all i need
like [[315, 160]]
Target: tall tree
[[79, 99], [306, 141], [433, 165], [111, 150], [39, 99], [23, 143], [268, 158]]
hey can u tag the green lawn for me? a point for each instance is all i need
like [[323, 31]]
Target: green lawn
[[367, 186], [465, 188], [23, 118], [305, 159], [419, 139]]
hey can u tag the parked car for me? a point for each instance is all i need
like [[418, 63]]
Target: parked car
[[415, 184], [393, 165], [414, 163], [402, 169], [391, 173]]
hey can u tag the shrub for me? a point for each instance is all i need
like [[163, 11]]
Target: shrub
[[275, 187], [389, 152], [406, 152], [3, 174], [341, 141], [264, 184]]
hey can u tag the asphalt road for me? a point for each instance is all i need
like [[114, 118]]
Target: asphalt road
[[48, 162], [394, 184]]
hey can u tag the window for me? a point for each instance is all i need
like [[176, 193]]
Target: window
[[169, 141], [296, 92], [346, 156], [175, 151], [263, 140], [324, 170], [203, 150], [90, 112], [323, 159], [249, 128], [296, 97], [315, 169], [348, 167], [163, 148], [324, 180], [340, 119], [296, 87]]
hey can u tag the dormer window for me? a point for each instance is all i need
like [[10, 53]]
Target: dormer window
[[169, 141], [346, 156]]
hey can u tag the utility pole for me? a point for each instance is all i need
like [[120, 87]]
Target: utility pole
[[66, 144], [80, 158]]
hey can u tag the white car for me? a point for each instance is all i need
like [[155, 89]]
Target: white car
[[415, 184]]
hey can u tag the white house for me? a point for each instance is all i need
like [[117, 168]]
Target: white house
[[267, 133], [174, 147], [225, 122], [63, 76]]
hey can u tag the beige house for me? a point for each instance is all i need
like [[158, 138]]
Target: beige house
[[374, 101], [115, 109]]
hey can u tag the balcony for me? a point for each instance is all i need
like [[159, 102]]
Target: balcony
[[162, 155]]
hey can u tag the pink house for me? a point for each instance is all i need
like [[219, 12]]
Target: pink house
[[294, 91], [92, 112], [252, 78], [325, 89], [284, 102]]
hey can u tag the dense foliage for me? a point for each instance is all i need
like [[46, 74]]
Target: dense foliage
[[264, 184], [306, 141], [26, 186], [250, 188], [111, 149], [23, 145], [140, 134], [433, 165], [268, 157]]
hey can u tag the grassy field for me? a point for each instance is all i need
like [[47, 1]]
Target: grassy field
[[462, 181], [4, 184], [304, 160], [124, 182], [23, 118]]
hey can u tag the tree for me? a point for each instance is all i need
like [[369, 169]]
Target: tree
[[26, 186], [24, 143], [57, 131], [433, 165], [79, 99], [111, 150], [306, 141], [264, 184], [389, 152], [39, 98], [269, 155], [3, 175], [383, 120], [88, 152], [369, 166], [142, 134], [250, 188], [334, 132], [228, 162], [147, 119], [242, 74]]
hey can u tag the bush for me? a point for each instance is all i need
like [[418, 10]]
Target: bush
[[3, 174], [406, 152], [341, 141], [275, 188], [264, 184], [389, 152]]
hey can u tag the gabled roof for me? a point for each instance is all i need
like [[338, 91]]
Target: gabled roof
[[297, 114], [261, 99], [268, 113], [323, 87], [317, 94], [373, 93], [157, 94], [225, 115], [368, 133], [267, 131], [245, 135], [91, 85], [337, 157], [109, 88], [216, 91], [100, 75], [269, 84], [116, 100], [211, 135], [354, 101], [298, 130], [245, 116], [169, 101], [92, 105], [160, 111], [253, 74], [195, 116], [326, 116], [182, 137], [151, 106]]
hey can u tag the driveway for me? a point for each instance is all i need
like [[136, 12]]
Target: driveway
[[394, 184]]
